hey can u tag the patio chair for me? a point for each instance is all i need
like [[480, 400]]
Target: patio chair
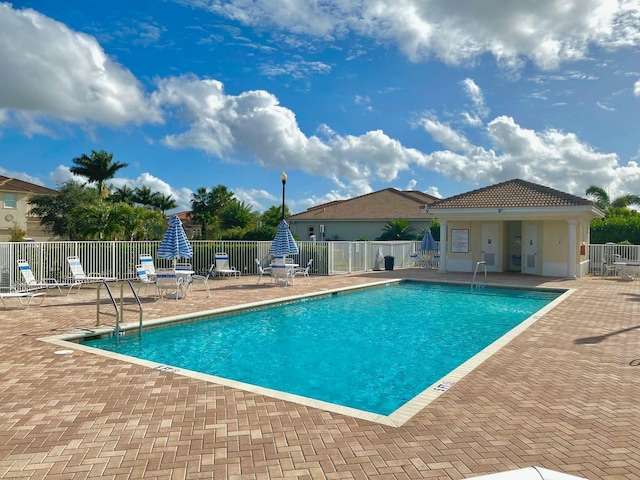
[[144, 279], [79, 276], [281, 272], [25, 298], [221, 268], [30, 282], [303, 271], [203, 279], [169, 283], [263, 271], [146, 261], [609, 269]]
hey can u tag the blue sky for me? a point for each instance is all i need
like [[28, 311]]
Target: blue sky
[[347, 97]]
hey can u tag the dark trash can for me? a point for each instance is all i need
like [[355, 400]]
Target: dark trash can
[[388, 262]]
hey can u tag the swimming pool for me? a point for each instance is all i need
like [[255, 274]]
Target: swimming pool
[[371, 350]]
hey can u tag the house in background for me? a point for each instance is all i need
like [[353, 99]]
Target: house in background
[[14, 209], [192, 229], [362, 217], [515, 226]]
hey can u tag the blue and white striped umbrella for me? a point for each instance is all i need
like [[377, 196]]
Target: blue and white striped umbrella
[[283, 243], [175, 243], [428, 242]]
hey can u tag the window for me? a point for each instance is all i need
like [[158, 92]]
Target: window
[[10, 200]]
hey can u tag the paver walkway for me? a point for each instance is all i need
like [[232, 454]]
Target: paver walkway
[[564, 395]]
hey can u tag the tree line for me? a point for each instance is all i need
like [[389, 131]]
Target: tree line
[[621, 224], [91, 211]]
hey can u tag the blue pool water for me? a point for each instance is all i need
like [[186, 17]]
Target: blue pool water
[[373, 349]]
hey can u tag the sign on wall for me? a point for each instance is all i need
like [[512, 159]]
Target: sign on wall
[[459, 241]]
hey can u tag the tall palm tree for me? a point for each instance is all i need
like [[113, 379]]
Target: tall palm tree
[[200, 210], [97, 168], [605, 203]]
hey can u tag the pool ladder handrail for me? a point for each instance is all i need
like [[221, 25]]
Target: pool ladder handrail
[[118, 311], [473, 281]]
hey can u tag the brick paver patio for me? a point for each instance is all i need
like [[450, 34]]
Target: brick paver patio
[[564, 395]]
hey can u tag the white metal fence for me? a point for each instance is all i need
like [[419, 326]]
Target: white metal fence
[[609, 253], [118, 259]]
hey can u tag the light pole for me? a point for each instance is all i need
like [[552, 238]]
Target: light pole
[[283, 177]]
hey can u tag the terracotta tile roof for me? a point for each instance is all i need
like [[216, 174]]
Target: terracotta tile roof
[[512, 193], [383, 204], [15, 185]]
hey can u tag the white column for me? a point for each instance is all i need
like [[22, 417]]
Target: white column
[[442, 247], [571, 250]]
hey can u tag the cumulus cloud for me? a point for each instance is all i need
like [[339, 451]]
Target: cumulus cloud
[[549, 157], [547, 32], [636, 88], [255, 122], [62, 74]]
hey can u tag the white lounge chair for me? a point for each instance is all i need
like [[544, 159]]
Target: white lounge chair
[[79, 276], [30, 282], [25, 298], [303, 271], [169, 283], [263, 271], [221, 268], [144, 279], [146, 261]]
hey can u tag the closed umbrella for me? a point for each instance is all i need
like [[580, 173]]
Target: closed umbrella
[[428, 242], [283, 243], [175, 243]]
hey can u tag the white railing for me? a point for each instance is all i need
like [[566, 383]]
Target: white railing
[[609, 253], [118, 259]]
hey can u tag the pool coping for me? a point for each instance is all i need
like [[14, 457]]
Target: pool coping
[[396, 419]]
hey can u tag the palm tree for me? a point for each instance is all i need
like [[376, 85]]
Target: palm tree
[[123, 194], [144, 196], [200, 212], [237, 214], [163, 202], [97, 168], [398, 229], [605, 203]]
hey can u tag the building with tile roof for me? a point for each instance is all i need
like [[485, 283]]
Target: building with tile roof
[[14, 209], [362, 217], [515, 226]]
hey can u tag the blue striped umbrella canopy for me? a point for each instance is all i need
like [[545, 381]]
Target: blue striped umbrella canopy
[[428, 242], [283, 243], [175, 243]]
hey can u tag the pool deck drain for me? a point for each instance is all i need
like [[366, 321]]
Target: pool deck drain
[[546, 398]]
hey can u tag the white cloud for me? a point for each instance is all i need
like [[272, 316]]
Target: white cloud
[[297, 69], [474, 93], [445, 134], [549, 157], [260, 200], [62, 74], [411, 184], [547, 32], [636, 88], [605, 107], [255, 122]]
